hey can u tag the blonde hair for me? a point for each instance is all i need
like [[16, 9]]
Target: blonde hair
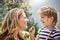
[[11, 18], [49, 11]]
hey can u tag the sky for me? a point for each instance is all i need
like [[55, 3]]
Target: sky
[[37, 4]]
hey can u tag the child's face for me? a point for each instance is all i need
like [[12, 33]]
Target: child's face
[[47, 21]]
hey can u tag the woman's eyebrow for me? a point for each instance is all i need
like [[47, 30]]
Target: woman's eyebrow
[[19, 15]]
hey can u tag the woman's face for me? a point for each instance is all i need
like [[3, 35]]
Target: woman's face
[[22, 22]]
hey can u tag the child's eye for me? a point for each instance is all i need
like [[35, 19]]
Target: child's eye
[[42, 17]]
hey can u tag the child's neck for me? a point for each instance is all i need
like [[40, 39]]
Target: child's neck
[[50, 27]]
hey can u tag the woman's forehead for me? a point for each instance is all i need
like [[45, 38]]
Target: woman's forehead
[[24, 14], [21, 13]]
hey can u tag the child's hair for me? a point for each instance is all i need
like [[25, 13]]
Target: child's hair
[[49, 11]]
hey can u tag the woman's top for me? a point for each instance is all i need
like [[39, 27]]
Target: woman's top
[[5, 36]]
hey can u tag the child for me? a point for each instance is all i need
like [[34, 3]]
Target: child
[[49, 18]]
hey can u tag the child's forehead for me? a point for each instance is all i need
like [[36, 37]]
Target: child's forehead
[[42, 15], [45, 16]]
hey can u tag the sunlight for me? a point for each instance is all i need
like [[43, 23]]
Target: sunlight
[[34, 2], [40, 1]]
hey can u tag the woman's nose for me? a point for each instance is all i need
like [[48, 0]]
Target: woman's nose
[[27, 20]]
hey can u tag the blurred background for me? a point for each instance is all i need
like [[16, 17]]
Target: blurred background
[[30, 7], [37, 4]]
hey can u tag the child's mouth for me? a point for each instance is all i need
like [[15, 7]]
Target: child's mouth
[[42, 22]]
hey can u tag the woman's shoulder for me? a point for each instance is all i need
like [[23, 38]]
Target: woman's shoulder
[[23, 34], [1, 35], [6, 38], [9, 38]]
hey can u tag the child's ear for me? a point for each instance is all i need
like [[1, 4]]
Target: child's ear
[[51, 18]]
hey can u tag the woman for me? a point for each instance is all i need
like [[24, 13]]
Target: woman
[[14, 21]]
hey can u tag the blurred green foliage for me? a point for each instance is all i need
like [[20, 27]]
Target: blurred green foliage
[[10, 4]]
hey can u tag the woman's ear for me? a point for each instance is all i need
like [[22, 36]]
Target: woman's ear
[[18, 21]]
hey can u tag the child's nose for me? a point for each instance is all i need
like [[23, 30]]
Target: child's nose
[[40, 19]]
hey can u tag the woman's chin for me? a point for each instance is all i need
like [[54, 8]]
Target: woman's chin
[[24, 27]]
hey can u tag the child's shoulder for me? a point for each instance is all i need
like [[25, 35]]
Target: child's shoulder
[[56, 33], [57, 30], [43, 30]]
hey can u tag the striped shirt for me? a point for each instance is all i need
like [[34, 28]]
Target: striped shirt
[[47, 34]]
